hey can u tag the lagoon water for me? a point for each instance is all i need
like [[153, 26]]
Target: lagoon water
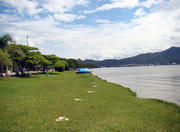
[[160, 82]]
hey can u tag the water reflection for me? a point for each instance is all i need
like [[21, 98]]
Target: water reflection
[[162, 82]]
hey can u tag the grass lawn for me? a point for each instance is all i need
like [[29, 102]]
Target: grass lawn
[[33, 104]]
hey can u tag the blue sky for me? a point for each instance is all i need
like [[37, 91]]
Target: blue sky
[[93, 29]]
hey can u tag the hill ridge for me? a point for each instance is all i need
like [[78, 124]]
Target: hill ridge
[[166, 57]]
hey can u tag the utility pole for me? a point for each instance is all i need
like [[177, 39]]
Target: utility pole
[[27, 40]]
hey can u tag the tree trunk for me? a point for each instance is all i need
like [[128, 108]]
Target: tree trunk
[[1, 71], [22, 72], [28, 71], [44, 69], [36, 69], [21, 69], [17, 72], [7, 74]]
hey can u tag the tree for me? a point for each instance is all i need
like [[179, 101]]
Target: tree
[[73, 64], [23, 56], [5, 40], [44, 63], [4, 61], [53, 60], [17, 56], [61, 65]]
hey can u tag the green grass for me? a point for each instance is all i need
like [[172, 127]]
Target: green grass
[[33, 104]]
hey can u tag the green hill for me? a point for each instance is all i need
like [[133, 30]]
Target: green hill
[[169, 56]]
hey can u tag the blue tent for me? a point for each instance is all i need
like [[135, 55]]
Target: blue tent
[[83, 70]]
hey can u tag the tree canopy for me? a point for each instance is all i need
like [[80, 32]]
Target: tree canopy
[[5, 40], [25, 58]]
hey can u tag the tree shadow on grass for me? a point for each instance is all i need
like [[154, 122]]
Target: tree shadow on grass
[[3, 78], [53, 73], [17, 76], [26, 76], [50, 73], [31, 75]]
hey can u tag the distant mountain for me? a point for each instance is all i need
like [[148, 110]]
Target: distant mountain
[[166, 57]]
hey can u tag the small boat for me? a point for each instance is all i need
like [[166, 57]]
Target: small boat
[[83, 70]]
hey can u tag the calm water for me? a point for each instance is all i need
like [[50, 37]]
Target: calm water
[[161, 82]]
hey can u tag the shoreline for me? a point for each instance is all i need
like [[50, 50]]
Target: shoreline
[[129, 89]]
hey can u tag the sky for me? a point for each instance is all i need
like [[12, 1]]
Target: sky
[[93, 29]]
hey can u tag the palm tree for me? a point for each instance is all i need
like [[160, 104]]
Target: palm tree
[[5, 40]]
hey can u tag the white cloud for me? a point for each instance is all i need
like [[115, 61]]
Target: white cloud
[[155, 31], [140, 12], [81, 17], [33, 7], [118, 4], [103, 21], [89, 11], [150, 3], [67, 17], [61, 6], [24, 6], [115, 4], [170, 5], [130, 4]]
